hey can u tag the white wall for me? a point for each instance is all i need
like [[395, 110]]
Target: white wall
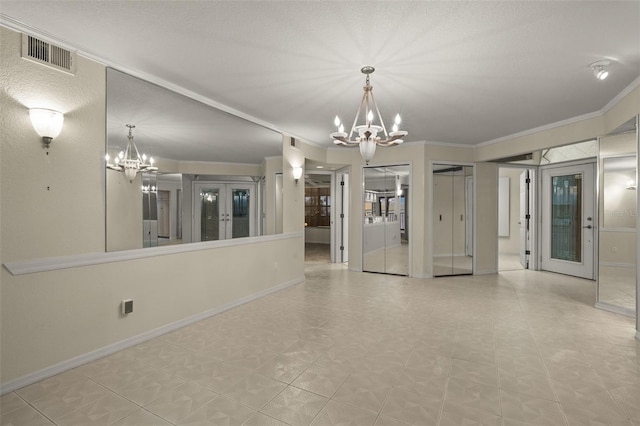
[[51, 319]]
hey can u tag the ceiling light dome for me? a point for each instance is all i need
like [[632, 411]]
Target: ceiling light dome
[[599, 69]]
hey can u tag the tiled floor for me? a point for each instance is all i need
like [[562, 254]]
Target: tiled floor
[[345, 348]]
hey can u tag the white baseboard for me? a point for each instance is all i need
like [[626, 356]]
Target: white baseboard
[[486, 272], [616, 309], [79, 360]]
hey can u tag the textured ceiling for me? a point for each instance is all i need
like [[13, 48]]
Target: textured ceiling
[[458, 72]]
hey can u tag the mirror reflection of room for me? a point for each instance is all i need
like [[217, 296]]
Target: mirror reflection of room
[[386, 220], [191, 143], [618, 215]]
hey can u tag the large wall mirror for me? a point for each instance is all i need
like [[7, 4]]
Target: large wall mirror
[[211, 170], [385, 230], [617, 220]]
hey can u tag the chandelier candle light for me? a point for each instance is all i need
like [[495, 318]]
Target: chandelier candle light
[[368, 138], [129, 163]]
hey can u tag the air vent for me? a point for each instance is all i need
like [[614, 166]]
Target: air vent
[[49, 54]]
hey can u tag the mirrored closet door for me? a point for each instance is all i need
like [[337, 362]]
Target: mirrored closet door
[[385, 230], [452, 219]]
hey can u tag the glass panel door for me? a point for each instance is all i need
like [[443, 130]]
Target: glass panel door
[[211, 221], [566, 217], [241, 222], [568, 226], [223, 210]]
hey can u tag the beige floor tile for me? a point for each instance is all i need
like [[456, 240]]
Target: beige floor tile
[[322, 380], [150, 387], [424, 384], [521, 363], [337, 413], [480, 397], [479, 372], [181, 402], [364, 391], [11, 401], [429, 362], [104, 411], [628, 397], [54, 385], [411, 407], [531, 410], [527, 383], [259, 419], [295, 406], [222, 377], [66, 399], [255, 391], [455, 415], [284, 368], [388, 421], [142, 418], [24, 416], [220, 411]]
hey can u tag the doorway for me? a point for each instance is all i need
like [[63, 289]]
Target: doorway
[[223, 211], [318, 204], [568, 219], [516, 218]]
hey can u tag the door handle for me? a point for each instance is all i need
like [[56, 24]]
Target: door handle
[[588, 226]]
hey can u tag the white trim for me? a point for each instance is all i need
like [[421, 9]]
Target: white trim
[[542, 128], [74, 362], [449, 144], [616, 309], [89, 259], [617, 98]]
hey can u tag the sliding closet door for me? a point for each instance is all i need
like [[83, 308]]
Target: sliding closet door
[[385, 236], [452, 219]]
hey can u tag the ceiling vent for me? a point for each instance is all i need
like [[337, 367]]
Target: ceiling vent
[[48, 54]]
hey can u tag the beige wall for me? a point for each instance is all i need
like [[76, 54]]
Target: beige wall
[[55, 206]]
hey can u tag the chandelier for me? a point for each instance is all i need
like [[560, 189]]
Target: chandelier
[[367, 138], [130, 161]]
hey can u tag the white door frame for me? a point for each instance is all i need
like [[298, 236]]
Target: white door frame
[[590, 236]]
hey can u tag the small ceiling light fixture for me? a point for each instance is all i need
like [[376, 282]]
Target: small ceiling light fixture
[[297, 173], [130, 161], [368, 137], [47, 123], [599, 69]]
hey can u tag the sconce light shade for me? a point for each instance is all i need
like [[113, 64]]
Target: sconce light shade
[[297, 173], [47, 123]]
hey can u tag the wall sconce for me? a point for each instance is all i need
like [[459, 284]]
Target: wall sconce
[[631, 185], [47, 123], [297, 173]]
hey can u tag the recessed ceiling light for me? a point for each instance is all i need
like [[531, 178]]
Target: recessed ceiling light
[[599, 69], [319, 167]]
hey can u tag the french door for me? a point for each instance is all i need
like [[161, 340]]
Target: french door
[[223, 211], [568, 222]]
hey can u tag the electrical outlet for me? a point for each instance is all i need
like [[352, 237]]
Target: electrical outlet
[[127, 306]]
